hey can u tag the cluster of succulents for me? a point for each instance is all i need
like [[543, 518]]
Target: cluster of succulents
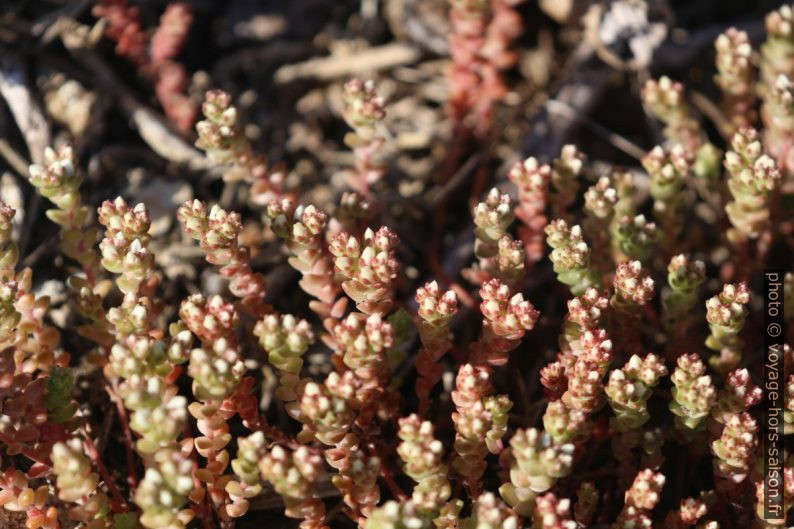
[[155, 56], [414, 424]]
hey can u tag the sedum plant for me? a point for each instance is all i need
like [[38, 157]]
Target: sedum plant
[[629, 389], [694, 394], [364, 384], [736, 75], [570, 255], [726, 314], [500, 257], [536, 464], [669, 171], [422, 456], [684, 278], [436, 310], [565, 172], [753, 177], [666, 99], [532, 180], [599, 209], [286, 339], [364, 111]]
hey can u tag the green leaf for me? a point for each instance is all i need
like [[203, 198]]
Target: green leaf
[[58, 216], [58, 395], [403, 324], [125, 520]]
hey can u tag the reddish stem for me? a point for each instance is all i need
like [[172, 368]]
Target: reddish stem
[[478, 186], [395, 489], [26, 451], [206, 512], [132, 477], [458, 488], [122, 505]]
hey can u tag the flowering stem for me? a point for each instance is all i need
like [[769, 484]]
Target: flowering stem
[[364, 113], [221, 135], [736, 77], [436, 309], [498, 255], [304, 230], [217, 231], [634, 288]]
